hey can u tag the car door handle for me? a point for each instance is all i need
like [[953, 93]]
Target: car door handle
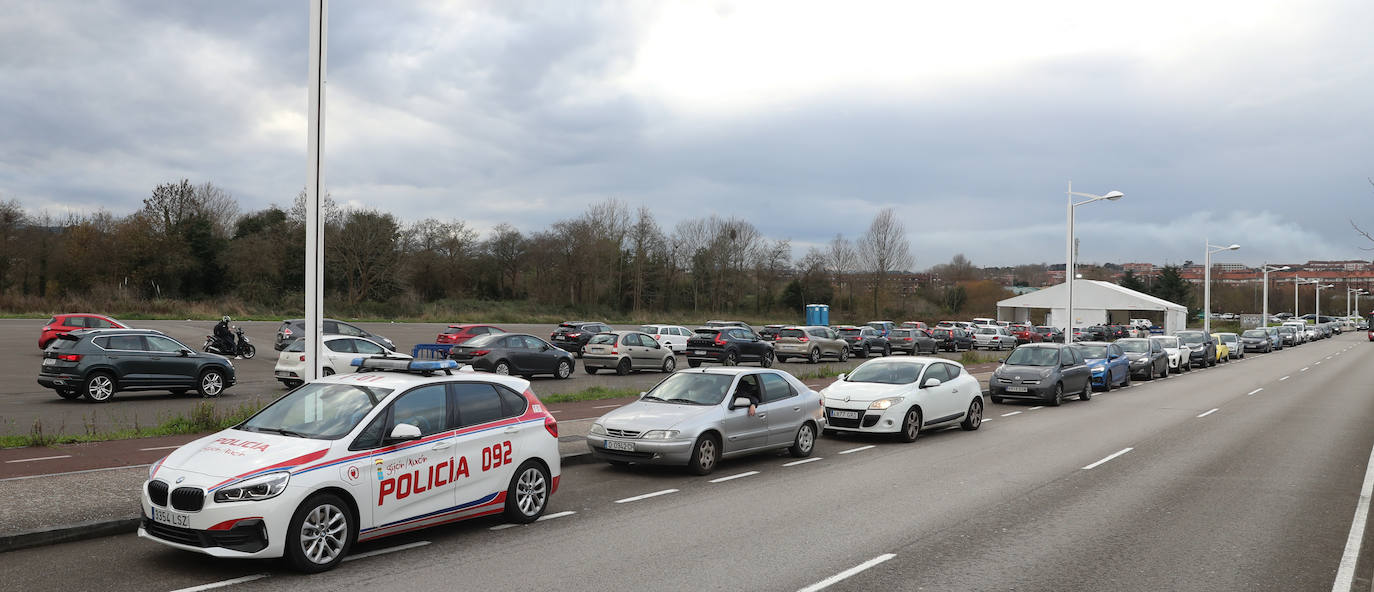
[[514, 429], [761, 415], [442, 444], [796, 408]]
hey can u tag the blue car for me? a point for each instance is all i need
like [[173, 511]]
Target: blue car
[[1108, 364]]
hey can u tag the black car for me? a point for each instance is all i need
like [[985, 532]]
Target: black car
[[1117, 332], [292, 329], [1044, 372], [574, 335], [728, 346], [1096, 333], [954, 340], [98, 363], [912, 341], [1146, 356], [1051, 334], [770, 332], [865, 341], [513, 353], [1256, 340], [1202, 349]]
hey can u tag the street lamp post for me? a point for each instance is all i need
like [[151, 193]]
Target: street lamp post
[[1317, 316], [1069, 274], [1297, 281], [1348, 292], [1264, 312], [1359, 293], [1207, 283]]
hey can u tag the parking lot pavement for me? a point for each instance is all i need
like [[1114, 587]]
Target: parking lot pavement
[[24, 404]]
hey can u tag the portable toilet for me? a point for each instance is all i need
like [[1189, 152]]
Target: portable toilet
[[818, 314]]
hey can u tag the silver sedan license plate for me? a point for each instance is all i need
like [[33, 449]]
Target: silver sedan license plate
[[618, 445], [1017, 389], [841, 414], [170, 517]]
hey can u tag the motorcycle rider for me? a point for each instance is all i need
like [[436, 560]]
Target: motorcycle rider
[[224, 337]]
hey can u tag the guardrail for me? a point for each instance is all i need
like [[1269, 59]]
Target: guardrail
[[430, 351]]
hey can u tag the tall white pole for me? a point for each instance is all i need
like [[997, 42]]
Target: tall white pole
[[1264, 309], [1295, 296], [314, 218], [1068, 273], [1207, 287]]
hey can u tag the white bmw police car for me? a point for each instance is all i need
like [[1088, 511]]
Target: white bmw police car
[[397, 446]]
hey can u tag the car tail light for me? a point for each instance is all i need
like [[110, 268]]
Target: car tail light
[[481, 352], [286, 332], [803, 339], [574, 335], [615, 352], [552, 426], [906, 339], [69, 357], [719, 340]]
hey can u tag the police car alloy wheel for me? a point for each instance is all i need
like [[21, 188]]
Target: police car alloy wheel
[[320, 534], [528, 494]]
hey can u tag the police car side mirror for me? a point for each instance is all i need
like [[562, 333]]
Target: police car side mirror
[[404, 431]]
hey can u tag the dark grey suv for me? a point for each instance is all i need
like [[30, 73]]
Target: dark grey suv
[[98, 363], [1044, 372]]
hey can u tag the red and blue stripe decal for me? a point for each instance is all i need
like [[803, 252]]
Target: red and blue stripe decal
[[489, 504]]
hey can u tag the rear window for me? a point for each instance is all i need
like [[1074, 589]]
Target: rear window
[[482, 340], [453, 330], [901, 333], [798, 333], [849, 332], [59, 344], [296, 346], [651, 330], [706, 333], [51, 320], [604, 339]]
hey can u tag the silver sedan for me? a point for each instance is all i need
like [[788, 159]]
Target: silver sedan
[[698, 417]]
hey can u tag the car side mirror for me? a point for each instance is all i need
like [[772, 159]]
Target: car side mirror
[[1066, 364], [740, 403], [404, 431], [1113, 357], [642, 393], [185, 352], [841, 377], [931, 382]]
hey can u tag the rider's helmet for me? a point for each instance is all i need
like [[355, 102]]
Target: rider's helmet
[[225, 319]]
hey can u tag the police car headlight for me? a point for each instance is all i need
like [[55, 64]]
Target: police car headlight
[[597, 429], [881, 404], [659, 435], [255, 489], [153, 467]]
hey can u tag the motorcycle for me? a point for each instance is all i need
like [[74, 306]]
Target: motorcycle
[[241, 347]]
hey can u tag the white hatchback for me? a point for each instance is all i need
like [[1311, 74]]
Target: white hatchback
[[339, 352], [397, 446], [904, 396], [673, 337]]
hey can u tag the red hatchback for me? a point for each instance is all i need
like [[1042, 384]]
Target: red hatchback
[[66, 323], [461, 333]]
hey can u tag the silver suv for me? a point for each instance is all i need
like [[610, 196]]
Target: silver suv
[[812, 343]]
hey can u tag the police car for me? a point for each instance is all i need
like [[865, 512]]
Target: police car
[[397, 446]]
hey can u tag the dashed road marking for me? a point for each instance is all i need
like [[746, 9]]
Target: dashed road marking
[[1254, 391], [733, 477], [555, 515], [856, 449], [645, 496], [388, 550], [19, 460], [1206, 413], [1011, 414], [832, 580], [221, 584], [1304, 369], [802, 461], [1109, 457], [160, 448], [1036, 407], [1283, 379], [605, 406]]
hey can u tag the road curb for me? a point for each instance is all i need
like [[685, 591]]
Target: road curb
[[104, 528]]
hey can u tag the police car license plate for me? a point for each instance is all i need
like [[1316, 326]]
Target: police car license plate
[[49, 361], [172, 518], [617, 445], [841, 414], [1017, 389]]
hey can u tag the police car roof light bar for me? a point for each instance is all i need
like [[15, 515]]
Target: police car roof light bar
[[425, 367]]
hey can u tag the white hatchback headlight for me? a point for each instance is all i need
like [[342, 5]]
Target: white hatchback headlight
[[659, 435], [885, 403], [256, 489]]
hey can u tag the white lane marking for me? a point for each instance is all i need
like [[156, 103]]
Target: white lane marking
[[1304, 369], [733, 477], [1329, 357], [221, 584], [1283, 379], [19, 460], [645, 496], [1254, 391], [541, 519], [160, 448], [1345, 574], [839, 577], [605, 406], [555, 411], [1206, 413], [987, 419], [1036, 407], [1011, 414], [802, 461], [1109, 457], [856, 449], [386, 550], [40, 476]]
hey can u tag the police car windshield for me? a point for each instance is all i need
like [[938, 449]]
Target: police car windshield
[[322, 410]]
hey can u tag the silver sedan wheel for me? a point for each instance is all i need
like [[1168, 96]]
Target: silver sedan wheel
[[323, 533], [531, 491]]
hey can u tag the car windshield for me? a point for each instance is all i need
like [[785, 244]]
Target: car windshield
[[1034, 356], [481, 340], [1168, 342], [1093, 351], [1138, 346], [691, 389], [321, 410], [650, 329], [1255, 333], [1191, 337], [1229, 337], [604, 339], [887, 372]]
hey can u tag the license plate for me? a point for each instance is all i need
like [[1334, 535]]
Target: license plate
[[700, 352], [561, 338], [841, 414], [283, 373], [618, 445], [171, 518], [1017, 389], [49, 361]]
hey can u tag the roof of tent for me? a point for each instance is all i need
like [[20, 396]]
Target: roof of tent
[[1091, 294]]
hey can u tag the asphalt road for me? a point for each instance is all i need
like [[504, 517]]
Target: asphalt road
[[23, 402], [1240, 477]]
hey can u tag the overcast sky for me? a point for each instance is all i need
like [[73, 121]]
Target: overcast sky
[[1245, 121]]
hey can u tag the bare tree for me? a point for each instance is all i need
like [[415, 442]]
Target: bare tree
[[645, 239], [959, 269], [884, 249], [843, 261], [507, 247], [219, 206], [1362, 231]]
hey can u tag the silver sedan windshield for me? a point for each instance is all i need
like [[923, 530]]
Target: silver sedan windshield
[[692, 389]]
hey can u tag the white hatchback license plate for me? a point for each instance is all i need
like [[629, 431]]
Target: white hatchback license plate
[[172, 518], [1017, 389], [49, 361], [617, 445], [840, 414]]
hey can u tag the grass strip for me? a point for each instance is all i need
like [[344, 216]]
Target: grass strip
[[205, 417], [594, 393]]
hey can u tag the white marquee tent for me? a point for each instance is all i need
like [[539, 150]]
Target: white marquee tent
[[1091, 302]]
